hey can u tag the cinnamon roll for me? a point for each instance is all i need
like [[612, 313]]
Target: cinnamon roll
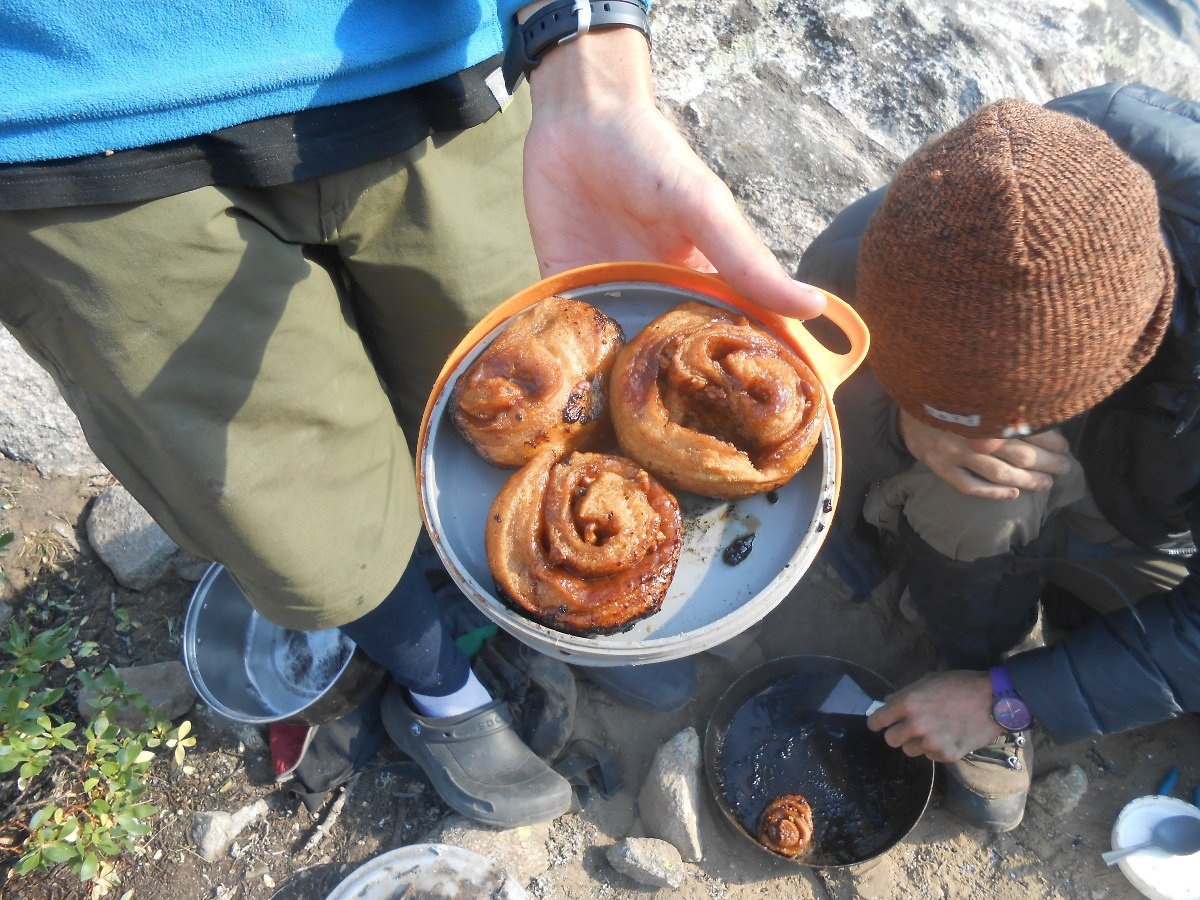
[[542, 383], [713, 404], [586, 545], [786, 826]]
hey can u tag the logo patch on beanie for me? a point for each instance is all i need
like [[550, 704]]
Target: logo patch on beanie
[[971, 421]]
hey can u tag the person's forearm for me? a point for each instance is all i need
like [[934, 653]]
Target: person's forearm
[[1110, 675], [608, 66]]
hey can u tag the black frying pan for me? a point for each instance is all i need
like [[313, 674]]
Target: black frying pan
[[766, 738]]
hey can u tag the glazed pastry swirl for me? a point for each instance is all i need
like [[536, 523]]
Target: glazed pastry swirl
[[785, 826], [543, 382], [715, 405], [586, 545]]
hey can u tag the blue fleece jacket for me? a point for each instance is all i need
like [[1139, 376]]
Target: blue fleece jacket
[[82, 76]]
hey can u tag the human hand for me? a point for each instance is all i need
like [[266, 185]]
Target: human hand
[[943, 716], [994, 469], [608, 178]]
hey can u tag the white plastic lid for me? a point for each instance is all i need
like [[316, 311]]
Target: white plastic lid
[[1155, 873], [426, 872]]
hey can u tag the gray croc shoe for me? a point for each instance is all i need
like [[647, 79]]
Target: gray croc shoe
[[477, 763], [988, 787]]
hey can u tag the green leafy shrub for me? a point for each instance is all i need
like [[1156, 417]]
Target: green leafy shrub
[[76, 798]]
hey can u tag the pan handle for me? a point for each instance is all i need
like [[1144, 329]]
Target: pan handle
[[834, 368]]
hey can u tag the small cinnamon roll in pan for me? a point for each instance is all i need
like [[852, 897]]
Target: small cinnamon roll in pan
[[586, 545], [543, 382], [786, 826], [714, 404]]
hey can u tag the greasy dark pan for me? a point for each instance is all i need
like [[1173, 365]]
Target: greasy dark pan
[[765, 738]]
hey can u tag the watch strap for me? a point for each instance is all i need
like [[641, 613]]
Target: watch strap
[[1001, 681], [561, 22]]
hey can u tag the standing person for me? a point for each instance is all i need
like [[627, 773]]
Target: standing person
[[243, 238], [1032, 412]]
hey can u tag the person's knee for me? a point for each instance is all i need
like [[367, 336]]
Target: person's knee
[[970, 528]]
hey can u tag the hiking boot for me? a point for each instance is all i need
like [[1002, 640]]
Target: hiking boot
[[987, 788], [655, 687], [477, 763]]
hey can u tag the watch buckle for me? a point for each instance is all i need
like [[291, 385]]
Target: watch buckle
[[583, 11]]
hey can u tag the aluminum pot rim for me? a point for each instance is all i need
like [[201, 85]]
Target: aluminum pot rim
[[311, 712]]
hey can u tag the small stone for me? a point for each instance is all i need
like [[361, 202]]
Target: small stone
[[669, 802], [188, 566], [647, 861], [1060, 791], [165, 686], [215, 831]]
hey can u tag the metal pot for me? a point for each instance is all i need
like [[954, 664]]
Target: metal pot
[[253, 671], [766, 738]]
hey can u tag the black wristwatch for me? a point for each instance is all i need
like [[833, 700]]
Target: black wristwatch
[[561, 22]]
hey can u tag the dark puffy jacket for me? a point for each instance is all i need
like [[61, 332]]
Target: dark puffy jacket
[[1140, 449]]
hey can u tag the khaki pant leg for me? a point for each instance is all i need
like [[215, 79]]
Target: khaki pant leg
[[967, 528], [219, 374], [434, 239]]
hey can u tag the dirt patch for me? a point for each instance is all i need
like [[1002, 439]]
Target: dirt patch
[[51, 583]]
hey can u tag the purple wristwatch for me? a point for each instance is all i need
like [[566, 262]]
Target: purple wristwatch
[[1008, 709]]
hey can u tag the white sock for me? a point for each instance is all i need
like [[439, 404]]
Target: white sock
[[471, 696]]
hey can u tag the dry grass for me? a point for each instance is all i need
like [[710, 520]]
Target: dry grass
[[47, 547]]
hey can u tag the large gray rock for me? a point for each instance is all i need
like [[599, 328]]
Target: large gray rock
[[669, 802], [36, 426], [521, 852], [803, 105], [130, 542], [165, 686]]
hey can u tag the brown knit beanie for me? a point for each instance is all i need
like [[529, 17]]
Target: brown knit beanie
[[1014, 275]]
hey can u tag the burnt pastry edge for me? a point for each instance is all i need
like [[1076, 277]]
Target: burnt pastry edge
[[573, 413], [504, 597]]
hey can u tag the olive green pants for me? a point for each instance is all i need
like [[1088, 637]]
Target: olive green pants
[[234, 353]]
